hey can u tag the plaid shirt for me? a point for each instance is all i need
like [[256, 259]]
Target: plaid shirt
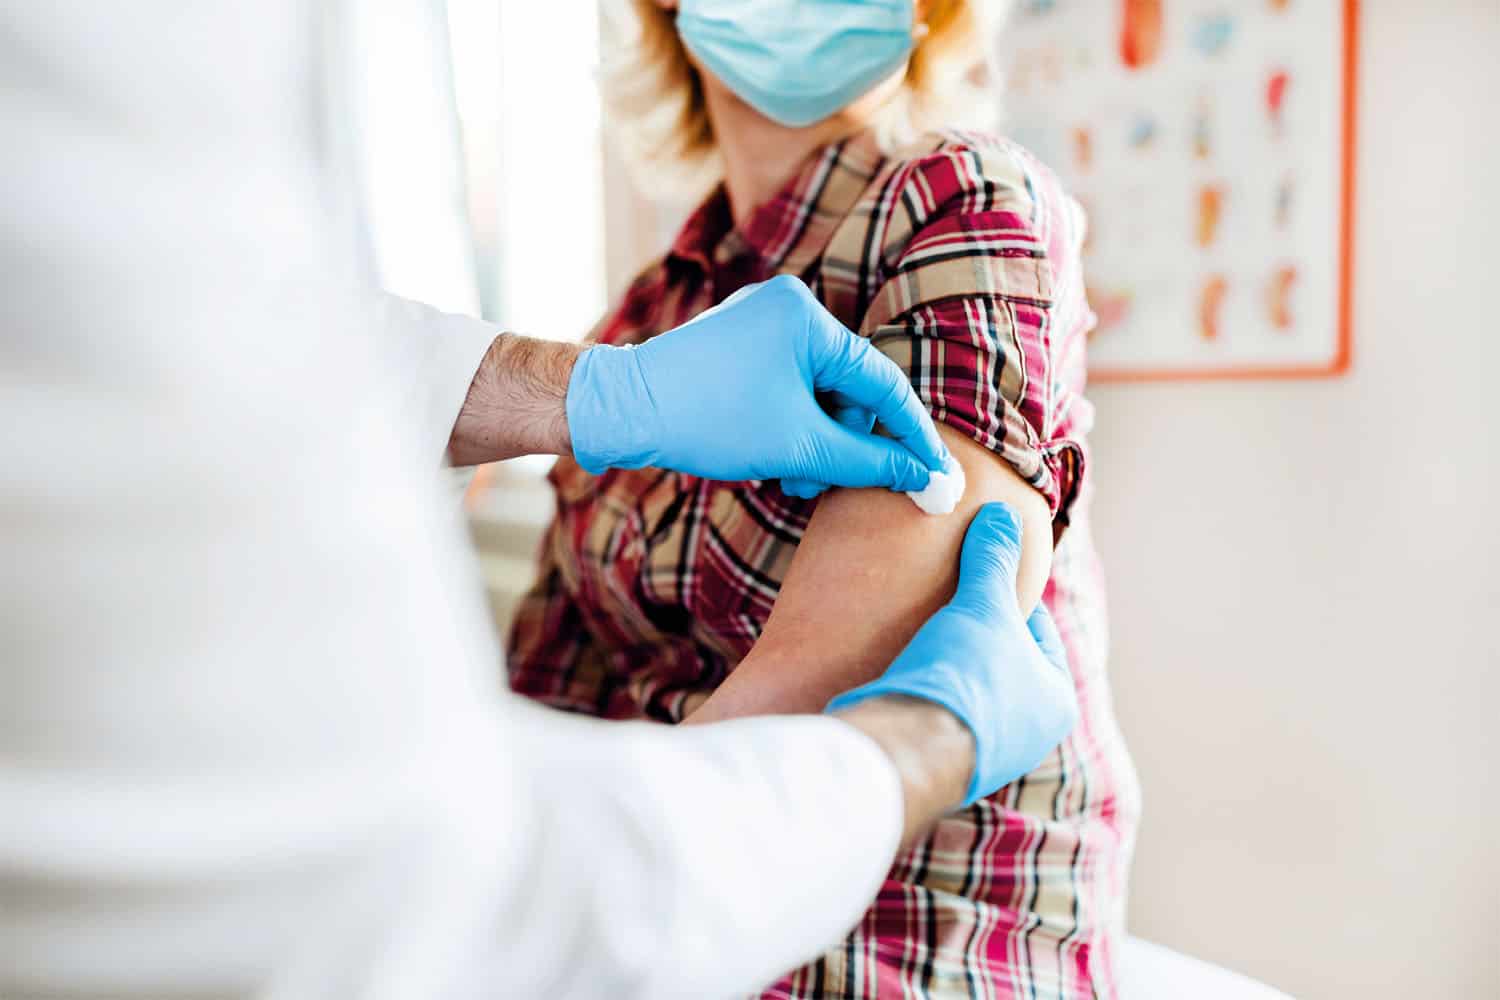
[[960, 260]]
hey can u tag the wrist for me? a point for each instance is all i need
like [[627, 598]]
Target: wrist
[[516, 402], [611, 416], [935, 670], [932, 750]]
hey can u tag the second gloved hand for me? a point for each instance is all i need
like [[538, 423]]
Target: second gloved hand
[[732, 395], [1005, 676]]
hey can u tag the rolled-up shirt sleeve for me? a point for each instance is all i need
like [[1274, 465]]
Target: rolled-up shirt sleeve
[[981, 299]]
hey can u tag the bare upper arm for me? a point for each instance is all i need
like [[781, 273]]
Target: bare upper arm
[[869, 571]]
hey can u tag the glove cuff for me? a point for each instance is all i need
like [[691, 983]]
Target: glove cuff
[[611, 415]]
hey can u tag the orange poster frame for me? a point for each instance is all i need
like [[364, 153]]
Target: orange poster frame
[[1343, 357]]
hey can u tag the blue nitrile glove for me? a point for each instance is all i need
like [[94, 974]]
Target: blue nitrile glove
[[731, 395], [1004, 676]]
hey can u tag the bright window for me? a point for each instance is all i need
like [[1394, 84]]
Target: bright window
[[528, 106]]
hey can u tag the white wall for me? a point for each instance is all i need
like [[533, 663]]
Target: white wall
[[1304, 583]]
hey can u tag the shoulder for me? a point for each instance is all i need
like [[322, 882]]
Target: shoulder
[[974, 164], [956, 174], [962, 161]]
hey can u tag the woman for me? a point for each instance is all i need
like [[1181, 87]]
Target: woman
[[957, 254]]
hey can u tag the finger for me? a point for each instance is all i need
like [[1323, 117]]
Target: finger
[[858, 459], [990, 558], [852, 366], [1044, 631], [993, 541], [851, 415], [857, 419], [802, 489]]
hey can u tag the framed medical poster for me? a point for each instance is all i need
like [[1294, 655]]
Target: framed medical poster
[[1211, 143]]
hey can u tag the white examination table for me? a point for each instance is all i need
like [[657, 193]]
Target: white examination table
[[1150, 972]]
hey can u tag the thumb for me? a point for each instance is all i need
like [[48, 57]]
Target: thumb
[[1044, 631], [857, 458], [849, 413], [990, 559], [857, 419]]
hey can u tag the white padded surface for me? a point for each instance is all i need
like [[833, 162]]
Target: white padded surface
[[1150, 972]]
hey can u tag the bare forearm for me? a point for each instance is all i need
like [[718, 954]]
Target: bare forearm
[[933, 753], [516, 403], [870, 570]]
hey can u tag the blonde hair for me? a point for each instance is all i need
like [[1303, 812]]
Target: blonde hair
[[655, 110]]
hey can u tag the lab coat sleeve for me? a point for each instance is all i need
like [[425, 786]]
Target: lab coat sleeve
[[274, 760], [439, 353], [251, 741], [695, 862], [250, 737]]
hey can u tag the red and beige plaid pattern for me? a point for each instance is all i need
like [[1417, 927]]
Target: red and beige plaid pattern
[[960, 260]]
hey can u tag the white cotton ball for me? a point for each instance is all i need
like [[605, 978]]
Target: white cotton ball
[[943, 490]]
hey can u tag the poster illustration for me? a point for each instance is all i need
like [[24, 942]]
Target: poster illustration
[[1210, 143]]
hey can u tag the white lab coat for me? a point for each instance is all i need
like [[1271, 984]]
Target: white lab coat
[[252, 737]]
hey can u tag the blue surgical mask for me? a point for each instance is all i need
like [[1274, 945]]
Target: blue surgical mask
[[798, 61]]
